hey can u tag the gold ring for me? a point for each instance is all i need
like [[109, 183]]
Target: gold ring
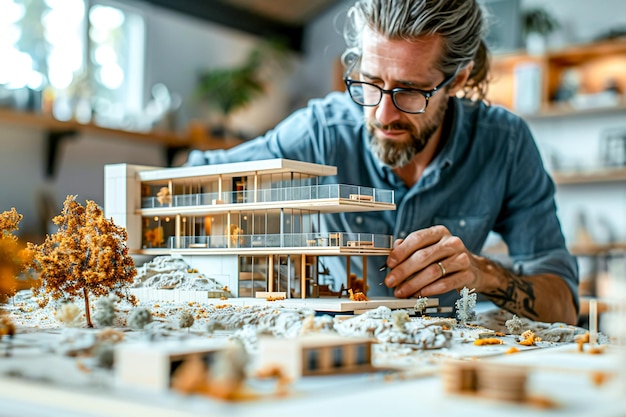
[[443, 270]]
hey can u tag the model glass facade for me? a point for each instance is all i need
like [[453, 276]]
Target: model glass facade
[[254, 226]]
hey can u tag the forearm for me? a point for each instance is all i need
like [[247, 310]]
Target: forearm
[[542, 297]]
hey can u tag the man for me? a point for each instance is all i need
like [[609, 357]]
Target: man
[[459, 168]]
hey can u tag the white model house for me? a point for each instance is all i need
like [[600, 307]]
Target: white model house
[[314, 354], [150, 365], [252, 226]]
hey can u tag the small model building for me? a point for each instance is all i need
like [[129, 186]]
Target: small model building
[[252, 226], [315, 354], [484, 379], [151, 365]]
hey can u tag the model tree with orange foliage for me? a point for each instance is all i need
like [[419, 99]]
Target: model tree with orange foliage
[[88, 254], [14, 259], [9, 223]]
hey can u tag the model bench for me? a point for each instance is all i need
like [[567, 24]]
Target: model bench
[[198, 245], [361, 197], [359, 243]]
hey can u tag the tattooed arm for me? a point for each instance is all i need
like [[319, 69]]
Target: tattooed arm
[[432, 261], [543, 297]]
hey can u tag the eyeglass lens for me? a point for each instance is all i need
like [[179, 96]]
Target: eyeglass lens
[[371, 95]]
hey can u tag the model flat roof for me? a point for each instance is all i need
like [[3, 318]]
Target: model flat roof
[[325, 205], [237, 169]]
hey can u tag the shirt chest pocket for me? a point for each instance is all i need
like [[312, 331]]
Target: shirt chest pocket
[[472, 230], [366, 223]]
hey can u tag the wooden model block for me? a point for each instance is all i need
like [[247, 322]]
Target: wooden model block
[[361, 197], [273, 294], [150, 365], [489, 380], [315, 354], [359, 243], [198, 245]]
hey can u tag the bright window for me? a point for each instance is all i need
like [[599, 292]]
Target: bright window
[[82, 58]]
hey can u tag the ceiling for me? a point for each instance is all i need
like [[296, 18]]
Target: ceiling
[[295, 12], [268, 18]]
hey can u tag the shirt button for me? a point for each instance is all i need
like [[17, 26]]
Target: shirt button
[[462, 222], [402, 234], [358, 220]]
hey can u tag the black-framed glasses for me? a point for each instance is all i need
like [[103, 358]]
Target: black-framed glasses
[[407, 100]]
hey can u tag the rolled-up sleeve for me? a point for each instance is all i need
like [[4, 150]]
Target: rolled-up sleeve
[[528, 221]]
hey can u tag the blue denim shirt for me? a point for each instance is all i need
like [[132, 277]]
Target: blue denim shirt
[[487, 176]]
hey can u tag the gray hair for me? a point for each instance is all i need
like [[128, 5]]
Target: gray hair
[[460, 23]]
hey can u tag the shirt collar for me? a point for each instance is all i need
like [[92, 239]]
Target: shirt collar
[[450, 135]]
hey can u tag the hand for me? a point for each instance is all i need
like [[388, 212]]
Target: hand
[[430, 262]]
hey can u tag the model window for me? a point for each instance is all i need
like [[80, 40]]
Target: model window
[[174, 365], [361, 354], [338, 356], [312, 359], [208, 358]]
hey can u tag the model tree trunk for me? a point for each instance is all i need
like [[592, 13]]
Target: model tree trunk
[[87, 312]]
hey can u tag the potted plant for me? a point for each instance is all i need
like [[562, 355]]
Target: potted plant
[[537, 24], [226, 90]]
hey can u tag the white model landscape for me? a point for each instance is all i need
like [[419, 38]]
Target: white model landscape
[[251, 226]]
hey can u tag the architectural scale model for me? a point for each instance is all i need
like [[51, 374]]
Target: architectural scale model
[[315, 354], [252, 226], [150, 366]]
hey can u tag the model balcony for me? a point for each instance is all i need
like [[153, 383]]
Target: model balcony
[[351, 193], [307, 241]]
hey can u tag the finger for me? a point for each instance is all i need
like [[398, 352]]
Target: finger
[[448, 247], [443, 285], [397, 242], [433, 273], [413, 265], [415, 241], [418, 281], [456, 262], [386, 264]]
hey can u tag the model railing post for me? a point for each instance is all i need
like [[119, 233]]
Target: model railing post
[[256, 183], [282, 227], [364, 274], [219, 188], [303, 276], [228, 230], [177, 231], [170, 188], [270, 273]]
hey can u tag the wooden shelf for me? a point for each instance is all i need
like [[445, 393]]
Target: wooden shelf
[[566, 110], [603, 305], [590, 177], [577, 250], [577, 54], [58, 131], [596, 249], [595, 64], [45, 122]]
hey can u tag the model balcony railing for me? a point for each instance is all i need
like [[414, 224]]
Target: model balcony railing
[[285, 240], [311, 192]]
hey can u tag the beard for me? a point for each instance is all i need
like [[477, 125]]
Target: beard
[[397, 154]]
